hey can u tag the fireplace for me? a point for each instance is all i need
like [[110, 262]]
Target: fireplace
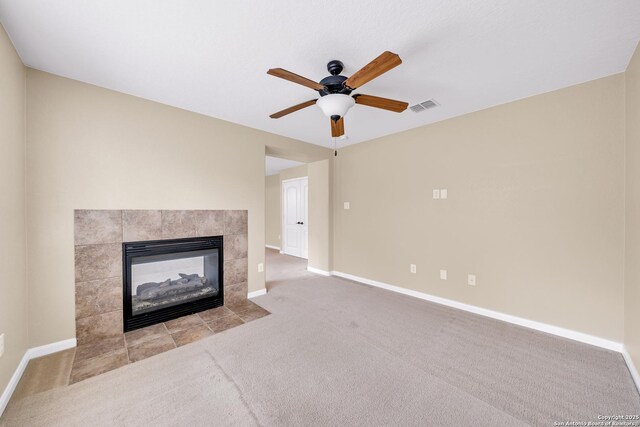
[[166, 279]]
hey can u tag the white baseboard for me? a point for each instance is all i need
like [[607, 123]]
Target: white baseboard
[[257, 293], [55, 347], [31, 353], [277, 248], [632, 368], [532, 324], [13, 382], [318, 271]]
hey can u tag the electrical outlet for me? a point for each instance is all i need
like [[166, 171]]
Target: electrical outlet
[[436, 194], [471, 279], [347, 205], [1, 344], [443, 193], [260, 268], [443, 274], [412, 268]]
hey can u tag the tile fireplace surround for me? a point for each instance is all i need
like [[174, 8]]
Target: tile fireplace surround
[[98, 237]]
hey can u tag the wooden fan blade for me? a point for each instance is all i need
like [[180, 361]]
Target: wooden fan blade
[[373, 69], [384, 103], [337, 128], [292, 109], [292, 77]]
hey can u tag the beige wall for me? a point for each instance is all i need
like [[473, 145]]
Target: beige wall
[[319, 215], [535, 208], [632, 252], [92, 148], [13, 286], [291, 173], [272, 210]]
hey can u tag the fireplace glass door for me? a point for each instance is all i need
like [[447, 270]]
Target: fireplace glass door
[[159, 281], [171, 278]]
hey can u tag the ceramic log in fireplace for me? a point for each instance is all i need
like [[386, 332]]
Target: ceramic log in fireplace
[[166, 279]]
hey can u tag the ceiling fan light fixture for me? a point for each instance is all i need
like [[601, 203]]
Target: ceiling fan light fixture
[[335, 90], [335, 104]]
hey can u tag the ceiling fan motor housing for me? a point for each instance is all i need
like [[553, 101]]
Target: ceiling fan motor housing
[[335, 82], [335, 67]]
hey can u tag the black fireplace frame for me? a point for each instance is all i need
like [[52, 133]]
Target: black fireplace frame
[[159, 247]]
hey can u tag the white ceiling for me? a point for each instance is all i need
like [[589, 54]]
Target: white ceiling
[[274, 165], [212, 56]]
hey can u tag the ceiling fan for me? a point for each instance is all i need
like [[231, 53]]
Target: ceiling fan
[[335, 90]]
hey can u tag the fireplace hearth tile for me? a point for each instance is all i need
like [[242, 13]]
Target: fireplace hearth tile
[[97, 226], [98, 297], [107, 353], [209, 223], [182, 323], [252, 313], [98, 262], [235, 246], [235, 271], [139, 336], [140, 225], [88, 368], [215, 314], [235, 222], [178, 224], [94, 328], [98, 348], [242, 305], [225, 323], [247, 310], [151, 348], [190, 335]]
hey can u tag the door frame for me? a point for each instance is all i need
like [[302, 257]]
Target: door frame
[[282, 219]]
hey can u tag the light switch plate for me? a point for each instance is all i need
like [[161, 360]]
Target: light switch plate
[[443, 193], [471, 279], [443, 274], [260, 268], [347, 205], [436, 194]]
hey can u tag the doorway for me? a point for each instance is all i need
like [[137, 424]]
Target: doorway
[[295, 218]]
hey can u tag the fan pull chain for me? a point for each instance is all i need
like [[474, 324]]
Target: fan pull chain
[[335, 149]]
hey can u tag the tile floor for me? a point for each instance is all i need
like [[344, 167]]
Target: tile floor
[[111, 353]]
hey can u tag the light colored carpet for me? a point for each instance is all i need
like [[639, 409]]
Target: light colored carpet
[[335, 352]]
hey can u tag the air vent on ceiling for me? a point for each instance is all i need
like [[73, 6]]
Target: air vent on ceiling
[[431, 103]]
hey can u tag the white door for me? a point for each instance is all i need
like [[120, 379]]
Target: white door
[[294, 217]]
